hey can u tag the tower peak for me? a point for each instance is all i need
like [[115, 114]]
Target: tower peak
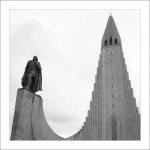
[[111, 35]]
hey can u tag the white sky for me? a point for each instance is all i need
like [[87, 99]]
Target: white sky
[[67, 43]]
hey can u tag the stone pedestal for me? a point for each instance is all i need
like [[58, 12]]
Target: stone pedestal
[[29, 121]]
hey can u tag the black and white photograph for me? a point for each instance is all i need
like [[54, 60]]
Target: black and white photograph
[[75, 60], [75, 75]]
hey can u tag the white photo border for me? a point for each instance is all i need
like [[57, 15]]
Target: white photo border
[[109, 5]]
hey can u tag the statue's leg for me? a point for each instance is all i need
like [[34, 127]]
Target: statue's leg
[[33, 83], [28, 83]]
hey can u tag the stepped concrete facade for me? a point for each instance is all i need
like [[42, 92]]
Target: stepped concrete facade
[[113, 114]]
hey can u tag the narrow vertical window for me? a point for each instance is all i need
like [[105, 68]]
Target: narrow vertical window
[[114, 128], [112, 95], [116, 41], [110, 40], [105, 42]]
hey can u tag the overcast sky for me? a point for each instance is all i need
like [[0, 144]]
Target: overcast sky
[[67, 43]]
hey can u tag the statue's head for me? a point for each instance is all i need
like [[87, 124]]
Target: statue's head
[[35, 58]]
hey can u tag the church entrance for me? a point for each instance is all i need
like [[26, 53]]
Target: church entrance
[[114, 128]]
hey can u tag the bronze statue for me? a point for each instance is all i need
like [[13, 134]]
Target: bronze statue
[[32, 78]]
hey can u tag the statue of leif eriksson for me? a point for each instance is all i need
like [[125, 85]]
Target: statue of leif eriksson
[[32, 78]]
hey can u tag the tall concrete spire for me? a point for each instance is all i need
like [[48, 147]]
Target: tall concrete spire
[[111, 35], [113, 114]]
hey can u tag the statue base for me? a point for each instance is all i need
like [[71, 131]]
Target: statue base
[[29, 122]]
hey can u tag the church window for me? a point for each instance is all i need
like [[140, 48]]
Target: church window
[[112, 95], [114, 128], [116, 41], [105, 42], [110, 40]]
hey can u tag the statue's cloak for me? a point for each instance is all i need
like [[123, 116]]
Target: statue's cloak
[[36, 84]]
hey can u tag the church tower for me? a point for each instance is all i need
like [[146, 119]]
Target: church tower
[[113, 114]]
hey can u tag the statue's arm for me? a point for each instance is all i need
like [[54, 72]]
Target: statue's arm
[[39, 66]]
